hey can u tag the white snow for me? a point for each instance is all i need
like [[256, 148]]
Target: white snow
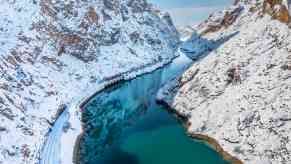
[[249, 118], [36, 77]]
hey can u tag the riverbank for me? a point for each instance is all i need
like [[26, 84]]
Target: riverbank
[[76, 153], [69, 138], [208, 140], [114, 96]]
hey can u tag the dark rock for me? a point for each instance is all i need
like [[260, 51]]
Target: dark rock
[[111, 4], [138, 6], [124, 13]]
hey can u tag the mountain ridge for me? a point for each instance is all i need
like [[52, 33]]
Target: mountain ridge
[[53, 52], [239, 93]]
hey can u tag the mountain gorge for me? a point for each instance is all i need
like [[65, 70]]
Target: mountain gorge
[[55, 54]]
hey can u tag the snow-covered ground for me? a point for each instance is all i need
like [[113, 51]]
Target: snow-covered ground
[[56, 53], [240, 93]]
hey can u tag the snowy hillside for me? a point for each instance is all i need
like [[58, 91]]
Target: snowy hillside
[[55, 53], [239, 94]]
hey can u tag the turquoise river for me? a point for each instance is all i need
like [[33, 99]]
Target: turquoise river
[[123, 124]]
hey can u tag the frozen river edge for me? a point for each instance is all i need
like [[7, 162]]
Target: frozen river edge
[[59, 146]]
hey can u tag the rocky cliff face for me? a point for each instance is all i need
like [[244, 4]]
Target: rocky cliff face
[[240, 93], [278, 9], [52, 51]]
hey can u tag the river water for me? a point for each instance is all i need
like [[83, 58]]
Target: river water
[[124, 125]]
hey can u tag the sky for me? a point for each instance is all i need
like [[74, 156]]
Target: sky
[[190, 12]]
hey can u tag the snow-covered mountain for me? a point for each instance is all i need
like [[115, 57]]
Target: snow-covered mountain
[[185, 31], [238, 96], [54, 53]]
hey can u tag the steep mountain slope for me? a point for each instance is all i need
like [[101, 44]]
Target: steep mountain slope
[[185, 31], [239, 94], [54, 52]]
